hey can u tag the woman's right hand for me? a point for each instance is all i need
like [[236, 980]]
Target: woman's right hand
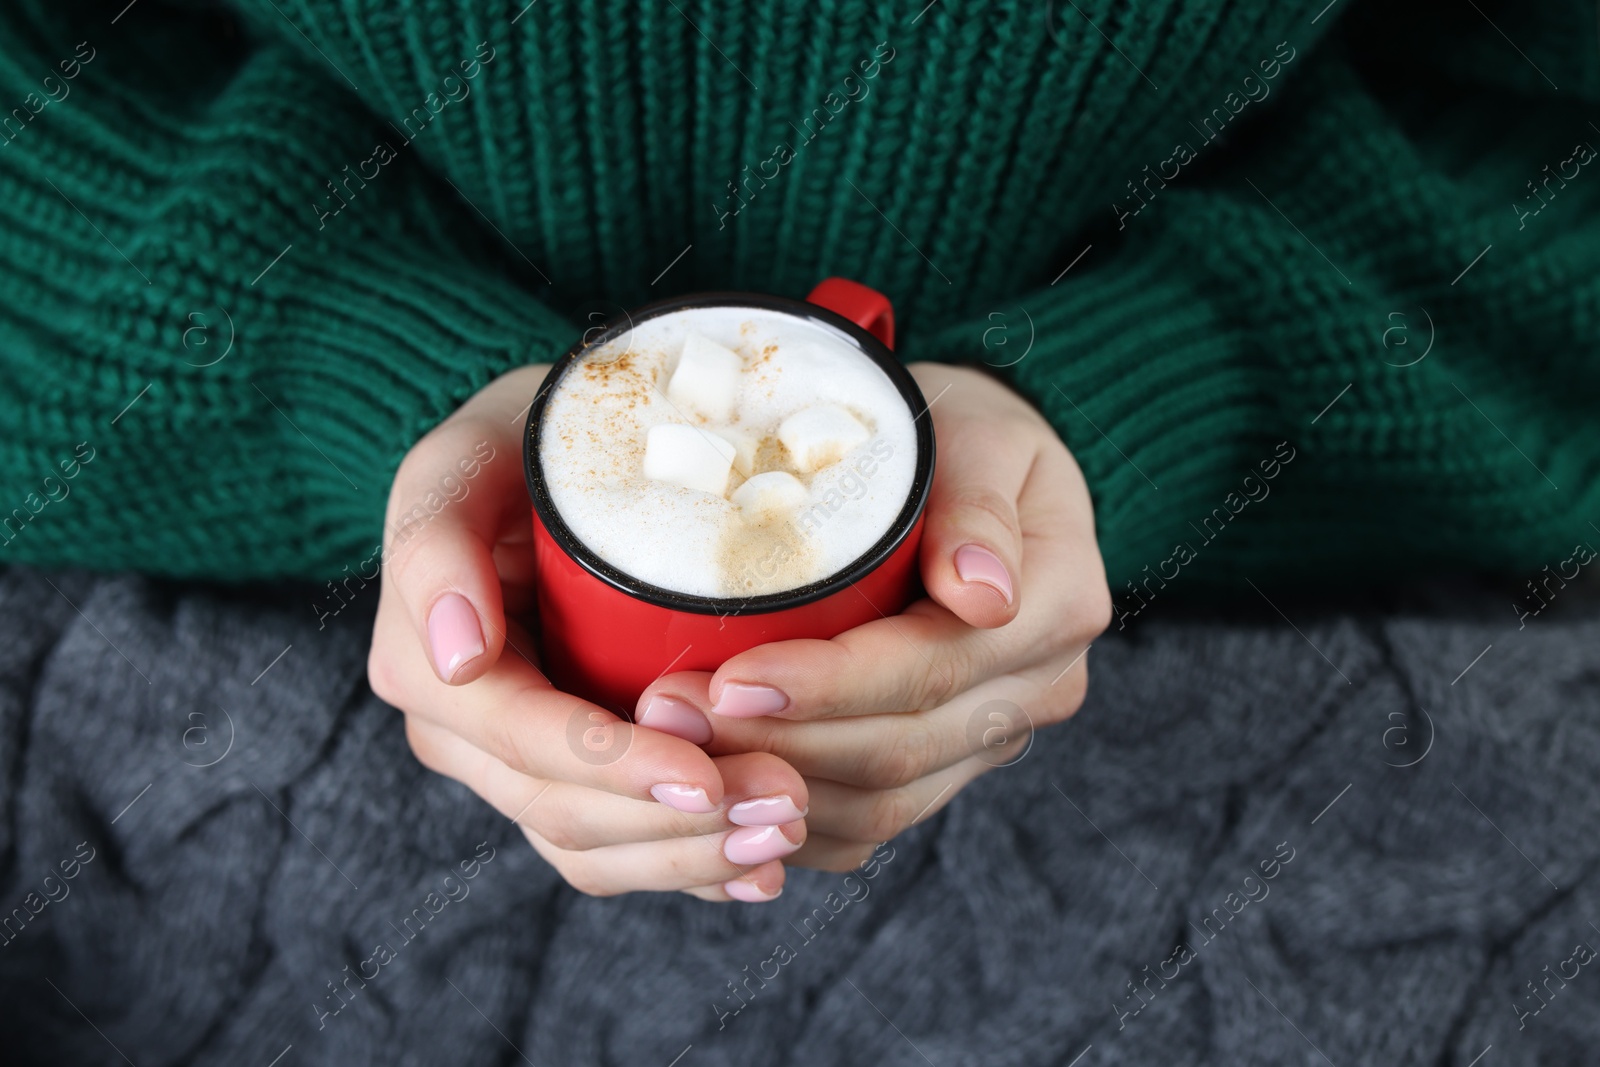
[[613, 807]]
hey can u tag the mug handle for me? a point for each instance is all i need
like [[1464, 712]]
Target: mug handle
[[865, 307]]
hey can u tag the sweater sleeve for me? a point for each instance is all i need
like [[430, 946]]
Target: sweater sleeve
[[233, 299], [1348, 338]]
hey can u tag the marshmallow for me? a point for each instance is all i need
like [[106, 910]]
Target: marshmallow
[[771, 491], [820, 435], [706, 378], [745, 446], [688, 456]]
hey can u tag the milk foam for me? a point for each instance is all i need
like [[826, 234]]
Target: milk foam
[[592, 444]]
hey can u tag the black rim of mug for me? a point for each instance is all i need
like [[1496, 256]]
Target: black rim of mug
[[866, 563]]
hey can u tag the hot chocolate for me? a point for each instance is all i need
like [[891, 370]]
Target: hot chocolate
[[727, 452]]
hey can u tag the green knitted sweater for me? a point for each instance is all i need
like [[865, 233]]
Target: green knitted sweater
[[1309, 293]]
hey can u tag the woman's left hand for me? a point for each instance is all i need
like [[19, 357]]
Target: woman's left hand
[[887, 722]]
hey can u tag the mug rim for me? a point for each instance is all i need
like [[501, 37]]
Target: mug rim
[[880, 551]]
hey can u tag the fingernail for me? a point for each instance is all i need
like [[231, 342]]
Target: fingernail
[[687, 798], [765, 811], [740, 700], [676, 717], [739, 889], [974, 563], [454, 635], [757, 844]]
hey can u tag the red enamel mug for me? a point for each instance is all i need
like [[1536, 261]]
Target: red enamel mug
[[605, 635]]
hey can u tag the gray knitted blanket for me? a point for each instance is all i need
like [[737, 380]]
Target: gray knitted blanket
[[1336, 840]]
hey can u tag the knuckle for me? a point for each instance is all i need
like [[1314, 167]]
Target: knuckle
[[1068, 696], [586, 880], [892, 812], [423, 747], [987, 501], [509, 738], [501, 737], [561, 830], [940, 680], [563, 823], [1024, 737], [381, 676], [1093, 613], [406, 560], [904, 759]]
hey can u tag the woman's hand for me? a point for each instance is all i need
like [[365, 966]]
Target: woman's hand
[[887, 722], [613, 808]]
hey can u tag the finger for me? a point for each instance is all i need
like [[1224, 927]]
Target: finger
[[925, 655], [572, 817], [971, 553], [914, 660], [576, 818], [759, 790], [832, 854], [865, 816], [876, 750], [450, 501], [675, 704], [1063, 554], [756, 886], [514, 714], [992, 720], [681, 864]]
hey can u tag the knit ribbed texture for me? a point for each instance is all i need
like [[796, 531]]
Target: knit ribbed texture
[[1234, 304], [1003, 930]]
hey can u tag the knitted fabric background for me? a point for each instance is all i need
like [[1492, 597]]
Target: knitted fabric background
[[1238, 852]]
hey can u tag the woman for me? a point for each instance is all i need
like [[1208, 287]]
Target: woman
[[270, 267]]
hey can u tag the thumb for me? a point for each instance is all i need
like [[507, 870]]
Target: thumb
[[972, 540], [446, 509]]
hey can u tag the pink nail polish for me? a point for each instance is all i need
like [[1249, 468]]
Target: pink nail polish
[[740, 700], [686, 798], [676, 717], [764, 811], [974, 563], [756, 844], [454, 635], [739, 889]]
